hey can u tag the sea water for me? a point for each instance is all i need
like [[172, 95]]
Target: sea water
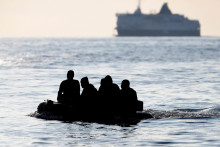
[[178, 78]]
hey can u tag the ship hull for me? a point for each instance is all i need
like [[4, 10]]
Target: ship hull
[[158, 33]]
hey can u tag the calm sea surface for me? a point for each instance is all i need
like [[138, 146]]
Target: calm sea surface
[[177, 78]]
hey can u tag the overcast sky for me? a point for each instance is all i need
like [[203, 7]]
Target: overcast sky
[[93, 18]]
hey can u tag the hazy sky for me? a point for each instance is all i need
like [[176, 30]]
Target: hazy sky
[[93, 18]]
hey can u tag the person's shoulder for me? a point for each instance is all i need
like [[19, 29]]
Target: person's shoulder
[[115, 85], [75, 81], [131, 89], [64, 81], [92, 86]]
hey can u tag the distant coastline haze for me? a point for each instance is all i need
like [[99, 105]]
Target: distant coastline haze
[[86, 18]]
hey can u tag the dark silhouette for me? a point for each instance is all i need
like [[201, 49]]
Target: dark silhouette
[[109, 95], [69, 91], [128, 98], [109, 105], [89, 95], [101, 102], [103, 90], [102, 87]]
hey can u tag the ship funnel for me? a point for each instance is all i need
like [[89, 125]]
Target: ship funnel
[[138, 11], [165, 10]]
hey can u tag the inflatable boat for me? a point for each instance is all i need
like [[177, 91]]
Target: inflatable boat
[[51, 110]]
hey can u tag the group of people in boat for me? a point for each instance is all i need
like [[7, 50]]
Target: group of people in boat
[[109, 98]]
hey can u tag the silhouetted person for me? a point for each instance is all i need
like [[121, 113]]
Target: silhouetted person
[[102, 88], [112, 88], [110, 93], [101, 102], [69, 91], [89, 95], [128, 98]]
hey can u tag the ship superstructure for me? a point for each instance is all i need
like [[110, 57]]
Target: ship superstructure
[[162, 24]]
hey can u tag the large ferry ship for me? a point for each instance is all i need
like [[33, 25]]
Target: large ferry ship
[[165, 23]]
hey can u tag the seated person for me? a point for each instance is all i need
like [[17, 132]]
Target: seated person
[[109, 83], [110, 95], [102, 88], [128, 100], [89, 95], [69, 91]]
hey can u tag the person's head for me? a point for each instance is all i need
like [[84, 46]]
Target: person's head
[[125, 84], [108, 80], [70, 75], [84, 82], [102, 82]]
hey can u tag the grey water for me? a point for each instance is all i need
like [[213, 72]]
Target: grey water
[[178, 78]]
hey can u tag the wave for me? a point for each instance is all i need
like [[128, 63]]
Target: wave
[[46, 116], [212, 112]]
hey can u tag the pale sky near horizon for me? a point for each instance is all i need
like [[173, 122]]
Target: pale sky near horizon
[[93, 18]]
